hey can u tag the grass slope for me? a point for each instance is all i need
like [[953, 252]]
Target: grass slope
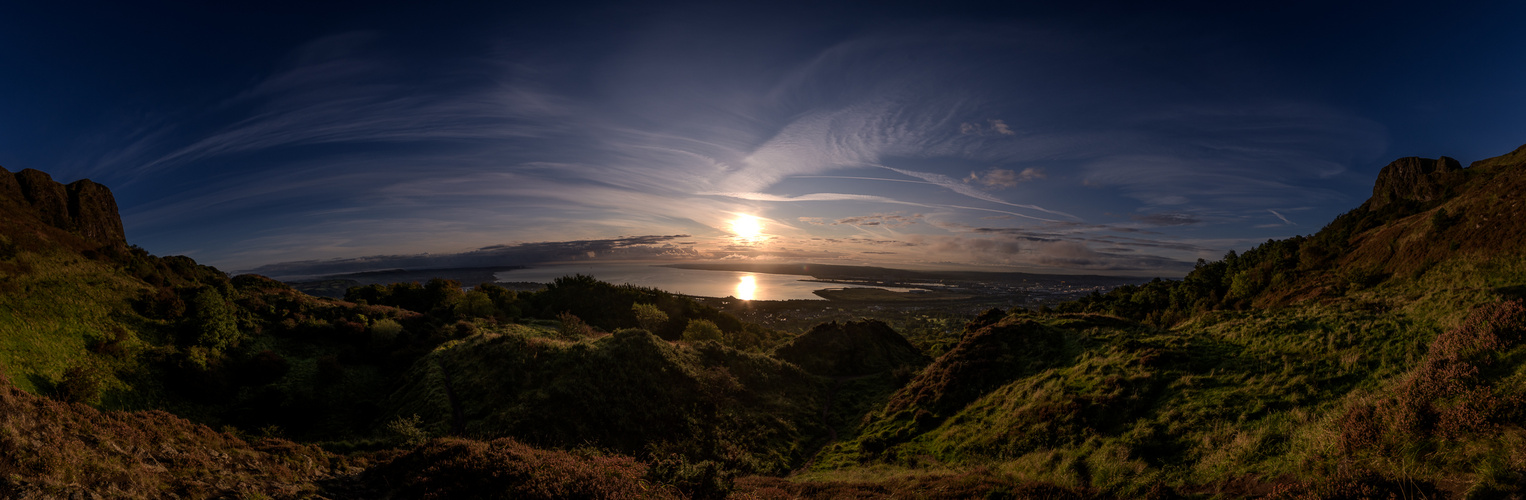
[[1380, 356]]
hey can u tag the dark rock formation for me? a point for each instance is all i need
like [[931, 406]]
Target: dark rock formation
[[850, 349], [10, 191], [48, 198], [1417, 179], [83, 207], [93, 212]]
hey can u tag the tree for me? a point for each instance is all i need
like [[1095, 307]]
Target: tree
[[212, 321]]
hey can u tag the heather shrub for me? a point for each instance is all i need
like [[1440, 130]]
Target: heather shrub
[[1452, 393], [504, 468], [52, 449]]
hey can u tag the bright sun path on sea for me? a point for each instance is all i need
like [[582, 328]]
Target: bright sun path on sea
[[747, 229], [747, 287]]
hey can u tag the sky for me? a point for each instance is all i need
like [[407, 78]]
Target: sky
[[1092, 137]]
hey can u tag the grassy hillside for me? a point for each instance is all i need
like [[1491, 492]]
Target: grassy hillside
[[1380, 356], [56, 306]]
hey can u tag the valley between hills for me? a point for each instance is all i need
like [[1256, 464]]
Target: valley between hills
[[1380, 357]]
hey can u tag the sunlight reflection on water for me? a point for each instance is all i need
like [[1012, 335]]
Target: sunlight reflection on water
[[747, 287], [742, 285]]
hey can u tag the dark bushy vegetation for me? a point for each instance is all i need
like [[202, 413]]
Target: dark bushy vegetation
[[630, 392], [506, 469], [850, 349]]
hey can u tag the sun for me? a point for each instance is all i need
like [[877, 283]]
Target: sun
[[747, 228]]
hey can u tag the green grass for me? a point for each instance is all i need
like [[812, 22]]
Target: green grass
[[1226, 396], [49, 314]]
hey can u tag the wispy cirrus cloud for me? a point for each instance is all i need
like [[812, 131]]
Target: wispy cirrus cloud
[[348, 148], [962, 188], [336, 90], [1004, 178]]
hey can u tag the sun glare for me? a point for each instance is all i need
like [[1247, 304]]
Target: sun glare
[[747, 228]]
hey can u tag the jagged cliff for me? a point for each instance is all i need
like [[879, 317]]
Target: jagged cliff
[[1416, 179], [81, 207]]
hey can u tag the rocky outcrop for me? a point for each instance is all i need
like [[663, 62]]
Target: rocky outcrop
[[48, 198], [93, 212], [1415, 179], [9, 189], [83, 207]]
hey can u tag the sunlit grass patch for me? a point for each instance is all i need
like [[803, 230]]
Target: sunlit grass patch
[[49, 315]]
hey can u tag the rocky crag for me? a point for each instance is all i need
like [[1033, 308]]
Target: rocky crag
[[81, 207]]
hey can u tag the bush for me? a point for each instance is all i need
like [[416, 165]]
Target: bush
[[1441, 220], [572, 327], [702, 329], [649, 316], [385, 330], [407, 431], [81, 384]]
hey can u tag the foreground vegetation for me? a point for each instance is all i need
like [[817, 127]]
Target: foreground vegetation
[[1381, 357]]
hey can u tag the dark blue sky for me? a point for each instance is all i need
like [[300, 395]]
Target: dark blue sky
[[1105, 137]]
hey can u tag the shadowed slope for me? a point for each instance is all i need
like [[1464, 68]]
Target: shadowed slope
[[50, 449]]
